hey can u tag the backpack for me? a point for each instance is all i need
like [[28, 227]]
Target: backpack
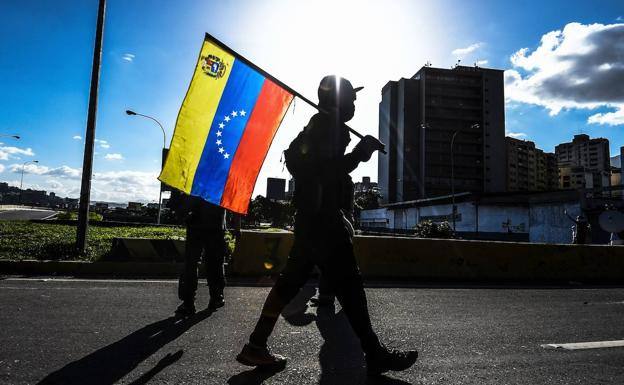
[[296, 155]]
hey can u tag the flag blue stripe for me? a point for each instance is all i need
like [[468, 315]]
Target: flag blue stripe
[[240, 95]]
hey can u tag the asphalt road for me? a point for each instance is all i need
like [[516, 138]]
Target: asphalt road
[[104, 332], [24, 214]]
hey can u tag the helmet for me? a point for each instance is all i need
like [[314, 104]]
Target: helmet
[[334, 90]]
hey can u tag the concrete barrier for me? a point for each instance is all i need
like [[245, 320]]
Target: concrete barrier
[[262, 253], [146, 250], [479, 260], [265, 253]]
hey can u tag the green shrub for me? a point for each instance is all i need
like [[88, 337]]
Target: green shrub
[[66, 215], [72, 215], [27, 240], [429, 229]]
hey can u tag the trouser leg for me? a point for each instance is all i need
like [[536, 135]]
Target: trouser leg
[[214, 254], [325, 289], [288, 284], [187, 285], [341, 270]]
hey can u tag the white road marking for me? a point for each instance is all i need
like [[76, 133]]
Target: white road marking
[[586, 345], [90, 280]]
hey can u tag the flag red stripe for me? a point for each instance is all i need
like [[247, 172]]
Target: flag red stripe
[[263, 123]]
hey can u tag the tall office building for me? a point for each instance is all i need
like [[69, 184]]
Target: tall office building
[[584, 163], [529, 168], [417, 120], [276, 189]]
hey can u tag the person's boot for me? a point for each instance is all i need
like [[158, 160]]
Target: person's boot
[[186, 309], [384, 359], [322, 300], [253, 355], [216, 301]]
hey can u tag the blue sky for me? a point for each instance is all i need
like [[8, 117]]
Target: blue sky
[[150, 48]]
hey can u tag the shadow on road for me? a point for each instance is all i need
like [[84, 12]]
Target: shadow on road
[[255, 376], [341, 357], [296, 312], [111, 363]]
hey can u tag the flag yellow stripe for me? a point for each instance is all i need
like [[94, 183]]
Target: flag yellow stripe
[[194, 120]]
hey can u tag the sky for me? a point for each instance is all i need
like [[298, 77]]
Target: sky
[[563, 62]]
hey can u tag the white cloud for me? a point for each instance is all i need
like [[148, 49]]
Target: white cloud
[[611, 118], [619, 18], [101, 141], [128, 57], [124, 186], [9, 152], [481, 62], [113, 157], [581, 66], [517, 135], [1, 168], [114, 186], [461, 52], [77, 137], [104, 145], [32, 168]]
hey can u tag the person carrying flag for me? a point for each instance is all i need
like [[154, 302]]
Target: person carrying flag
[[323, 235]]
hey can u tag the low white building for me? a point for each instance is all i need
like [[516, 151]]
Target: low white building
[[528, 217]]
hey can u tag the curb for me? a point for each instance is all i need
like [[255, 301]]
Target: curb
[[81, 268]]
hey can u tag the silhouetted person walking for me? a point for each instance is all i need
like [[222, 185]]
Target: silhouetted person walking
[[205, 235], [323, 236]]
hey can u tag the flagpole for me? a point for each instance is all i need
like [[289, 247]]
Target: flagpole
[[275, 80]]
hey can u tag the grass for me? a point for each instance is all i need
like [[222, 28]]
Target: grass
[[25, 240]]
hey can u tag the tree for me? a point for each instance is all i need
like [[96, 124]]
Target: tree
[[264, 210], [367, 199]]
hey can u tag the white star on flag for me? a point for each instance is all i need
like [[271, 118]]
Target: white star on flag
[[221, 125], [243, 113], [218, 133], [219, 142], [221, 150], [226, 156], [234, 113], [227, 118]]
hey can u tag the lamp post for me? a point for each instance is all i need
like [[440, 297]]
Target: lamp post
[[22, 178], [10, 136], [131, 113]]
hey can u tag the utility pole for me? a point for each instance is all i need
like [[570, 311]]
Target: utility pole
[[87, 163]]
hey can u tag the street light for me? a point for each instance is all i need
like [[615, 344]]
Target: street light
[[475, 125], [9, 136], [131, 113], [22, 179]]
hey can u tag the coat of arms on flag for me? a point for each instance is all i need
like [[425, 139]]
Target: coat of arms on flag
[[213, 66], [224, 128]]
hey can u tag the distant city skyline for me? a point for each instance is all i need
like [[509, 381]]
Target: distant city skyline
[[563, 73]]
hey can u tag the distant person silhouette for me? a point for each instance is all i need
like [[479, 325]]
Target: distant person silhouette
[[205, 235], [581, 230], [323, 235]]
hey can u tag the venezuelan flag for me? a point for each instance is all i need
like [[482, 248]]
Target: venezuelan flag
[[224, 129]]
